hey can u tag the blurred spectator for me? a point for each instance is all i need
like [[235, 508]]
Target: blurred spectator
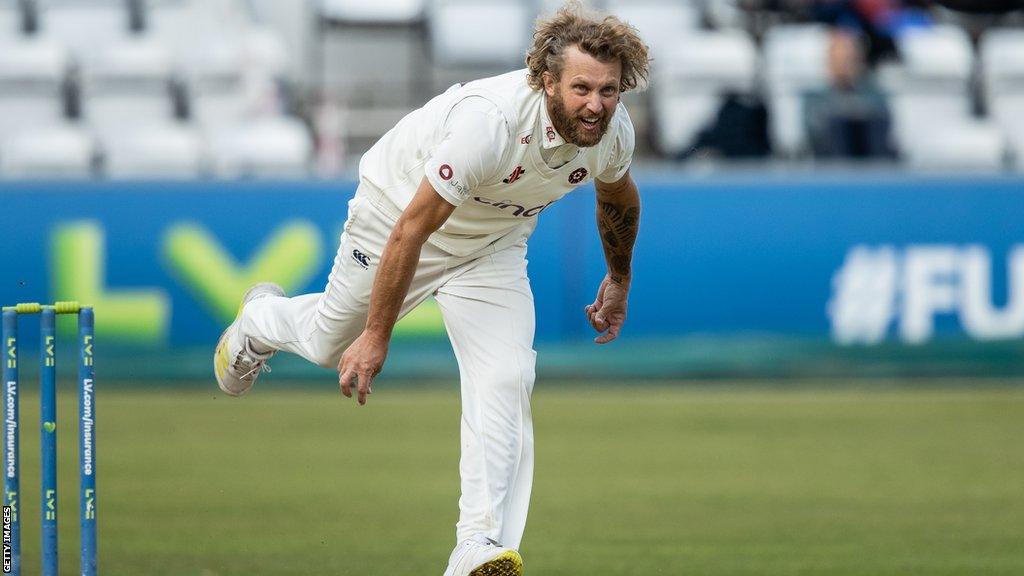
[[850, 117], [738, 131], [879, 21]]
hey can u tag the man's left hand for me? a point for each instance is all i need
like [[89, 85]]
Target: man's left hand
[[608, 312]]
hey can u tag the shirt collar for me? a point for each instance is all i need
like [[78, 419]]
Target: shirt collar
[[549, 137]]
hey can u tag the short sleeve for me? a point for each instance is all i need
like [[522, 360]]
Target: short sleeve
[[620, 155], [469, 151]]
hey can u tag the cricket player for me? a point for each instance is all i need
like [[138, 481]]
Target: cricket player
[[445, 204]]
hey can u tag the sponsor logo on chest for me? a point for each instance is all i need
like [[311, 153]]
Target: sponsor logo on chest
[[513, 208]]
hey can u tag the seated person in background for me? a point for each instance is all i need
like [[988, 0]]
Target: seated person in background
[[880, 22], [849, 118], [739, 131]]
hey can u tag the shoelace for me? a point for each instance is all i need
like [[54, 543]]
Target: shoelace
[[256, 367]]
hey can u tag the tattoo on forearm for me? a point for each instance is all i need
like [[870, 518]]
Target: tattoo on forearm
[[618, 224]]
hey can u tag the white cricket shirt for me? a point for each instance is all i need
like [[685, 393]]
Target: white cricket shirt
[[482, 146]]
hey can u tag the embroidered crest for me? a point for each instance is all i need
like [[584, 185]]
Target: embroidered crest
[[577, 175]]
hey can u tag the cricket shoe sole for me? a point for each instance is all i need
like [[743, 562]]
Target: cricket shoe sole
[[508, 563]]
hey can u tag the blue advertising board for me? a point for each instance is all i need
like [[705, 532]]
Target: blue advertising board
[[849, 261]]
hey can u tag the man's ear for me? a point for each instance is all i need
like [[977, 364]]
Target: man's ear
[[550, 84]]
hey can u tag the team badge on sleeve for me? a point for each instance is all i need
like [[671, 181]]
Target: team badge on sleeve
[[577, 175]]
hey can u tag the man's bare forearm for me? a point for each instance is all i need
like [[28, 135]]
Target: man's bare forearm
[[618, 221], [394, 276]]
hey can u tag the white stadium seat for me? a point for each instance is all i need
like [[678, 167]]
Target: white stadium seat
[[174, 23], [48, 151], [479, 32], [10, 20], [957, 145], [32, 72], [660, 22], [160, 150], [189, 27], [549, 7], [1002, 65], [217, 88], [376, 12], [228, 64], [266, 51], [85, 27], [939, 53], [126, 84], [930, 88], [795, 62], [692, 78], [263, 148]]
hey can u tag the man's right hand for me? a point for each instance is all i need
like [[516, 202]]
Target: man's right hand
[[361, 362]]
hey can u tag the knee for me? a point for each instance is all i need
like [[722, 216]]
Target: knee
[[513, 377]]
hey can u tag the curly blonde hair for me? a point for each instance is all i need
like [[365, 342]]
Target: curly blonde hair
[[604, 37]]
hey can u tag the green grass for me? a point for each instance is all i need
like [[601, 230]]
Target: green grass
[[631, 480]]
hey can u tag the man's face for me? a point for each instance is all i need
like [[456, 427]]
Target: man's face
[[845, 62], [581, 103]]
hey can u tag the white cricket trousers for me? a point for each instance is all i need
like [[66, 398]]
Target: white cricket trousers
[[487, 305]]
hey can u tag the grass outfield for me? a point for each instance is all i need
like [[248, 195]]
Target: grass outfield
[[630, 480]]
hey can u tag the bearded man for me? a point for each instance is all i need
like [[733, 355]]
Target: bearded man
[[445, 204]]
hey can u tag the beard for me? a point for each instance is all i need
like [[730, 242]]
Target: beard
[[571, 127]]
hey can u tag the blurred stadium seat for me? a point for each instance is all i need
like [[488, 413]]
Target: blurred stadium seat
[[175, 23], [47, 152], [85, 27], [161, 150], [216, 88], [265, 148], [1002, 55], [32, 76], [958, 145], [660, 22], [479, 32], [549, 7], [10, 20], [377, 12], [794, 63], [692, 78], [127, 83], [930, 89], [472, 39]]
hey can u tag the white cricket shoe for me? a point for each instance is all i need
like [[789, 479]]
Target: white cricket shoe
[[481, 556], [235, 364]]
